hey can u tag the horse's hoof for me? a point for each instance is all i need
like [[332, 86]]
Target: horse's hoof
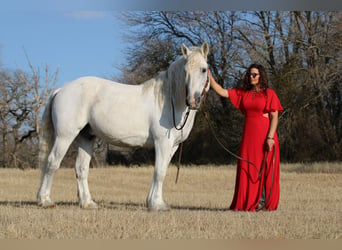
[[46, 203], [159, 208], [89, 205]]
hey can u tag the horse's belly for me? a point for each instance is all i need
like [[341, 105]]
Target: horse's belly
[[128, 141], [127, 138], [122, 128]]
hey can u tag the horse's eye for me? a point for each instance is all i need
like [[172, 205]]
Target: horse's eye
[[203, 70]]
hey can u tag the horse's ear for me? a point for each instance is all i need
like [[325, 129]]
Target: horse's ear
[[205, 49], [185, 50]]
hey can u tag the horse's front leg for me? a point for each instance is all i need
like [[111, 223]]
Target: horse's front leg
[[164, 153]]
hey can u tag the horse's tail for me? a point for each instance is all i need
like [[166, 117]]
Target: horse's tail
[[46, 133]]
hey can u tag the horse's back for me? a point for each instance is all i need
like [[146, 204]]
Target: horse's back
[[84, 93], [118, 113]]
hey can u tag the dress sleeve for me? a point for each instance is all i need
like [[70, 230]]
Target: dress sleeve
[[273, 102], [235, 97]]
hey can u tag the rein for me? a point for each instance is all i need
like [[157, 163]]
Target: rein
[[174, 117], [245, 160], [261, 170], [203, 96]]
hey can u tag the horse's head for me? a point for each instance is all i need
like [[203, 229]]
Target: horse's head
[[196, 74]]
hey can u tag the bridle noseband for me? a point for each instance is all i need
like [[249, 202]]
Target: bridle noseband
[[203, 96]]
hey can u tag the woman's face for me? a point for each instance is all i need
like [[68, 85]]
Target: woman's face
[[254, 76]]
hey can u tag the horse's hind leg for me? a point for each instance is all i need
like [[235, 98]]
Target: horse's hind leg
[[85, 150], [56, 155]]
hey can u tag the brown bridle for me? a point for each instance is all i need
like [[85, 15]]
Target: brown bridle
[[203, 96]]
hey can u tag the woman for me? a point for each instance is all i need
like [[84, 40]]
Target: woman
[[260, 106]]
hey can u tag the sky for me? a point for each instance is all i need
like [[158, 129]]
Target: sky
[[84, 37], [78, 43]]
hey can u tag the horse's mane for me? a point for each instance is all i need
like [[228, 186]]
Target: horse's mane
[[171, 81], [166, 82], [176, 76]]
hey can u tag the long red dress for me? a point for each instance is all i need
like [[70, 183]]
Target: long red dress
[[248, 187]]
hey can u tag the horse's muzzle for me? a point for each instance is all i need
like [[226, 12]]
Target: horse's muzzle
[[194, 102]]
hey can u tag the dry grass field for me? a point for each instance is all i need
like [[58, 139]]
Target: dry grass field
[[310, 205]]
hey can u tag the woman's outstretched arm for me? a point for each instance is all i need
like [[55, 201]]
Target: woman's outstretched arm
[[217, 87]]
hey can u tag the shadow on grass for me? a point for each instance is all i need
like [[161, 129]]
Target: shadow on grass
[[200, 208], [142, 206], [24, 204], [129, 206]]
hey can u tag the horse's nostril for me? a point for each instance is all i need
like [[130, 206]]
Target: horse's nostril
[[198, 99]]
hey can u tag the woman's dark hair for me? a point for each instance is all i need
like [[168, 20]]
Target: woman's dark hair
[[262, 79]]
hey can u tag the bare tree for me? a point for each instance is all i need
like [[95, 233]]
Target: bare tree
[[22, 96], [300, 49]]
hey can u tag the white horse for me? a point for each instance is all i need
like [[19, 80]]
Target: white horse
[[146, 115]]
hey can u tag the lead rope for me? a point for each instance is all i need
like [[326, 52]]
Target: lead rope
[[245, 160], [174, 117], [220, 143], [179, 160], [179, 128], [225, 148], [186, 118], [261, 170]]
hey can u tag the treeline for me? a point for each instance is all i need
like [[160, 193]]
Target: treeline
[[300, 49]]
